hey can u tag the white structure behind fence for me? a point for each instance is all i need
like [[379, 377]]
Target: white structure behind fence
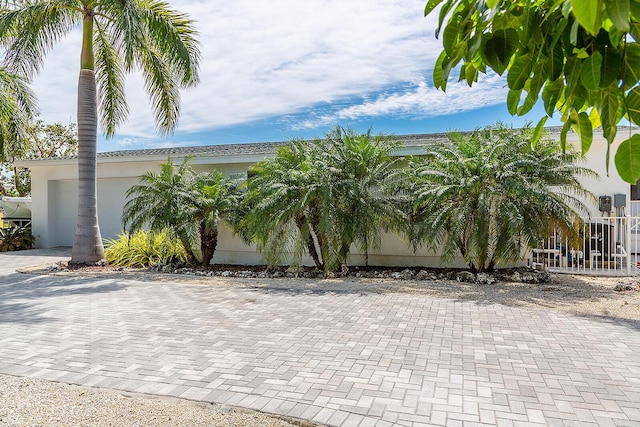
[[606, 245]]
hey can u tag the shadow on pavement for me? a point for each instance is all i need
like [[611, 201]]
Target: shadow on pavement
[[19, 294]]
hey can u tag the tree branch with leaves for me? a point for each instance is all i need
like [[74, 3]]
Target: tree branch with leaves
[[581, 57]]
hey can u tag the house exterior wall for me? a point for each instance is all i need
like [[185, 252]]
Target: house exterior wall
[[54, 205], [609, 182]]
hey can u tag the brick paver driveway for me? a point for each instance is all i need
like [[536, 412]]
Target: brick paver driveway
[[346, 359]]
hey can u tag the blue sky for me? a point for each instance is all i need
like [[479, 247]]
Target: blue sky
[[276, 70]]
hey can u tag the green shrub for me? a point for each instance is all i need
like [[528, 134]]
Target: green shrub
[[144, 248], [16, 239]]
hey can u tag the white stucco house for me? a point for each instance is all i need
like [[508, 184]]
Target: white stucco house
[[54, 191]]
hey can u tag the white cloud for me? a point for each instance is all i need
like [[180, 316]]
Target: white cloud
[[422, 101], [263, 59]]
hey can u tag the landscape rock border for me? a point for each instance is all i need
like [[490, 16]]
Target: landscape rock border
[[517, 275]]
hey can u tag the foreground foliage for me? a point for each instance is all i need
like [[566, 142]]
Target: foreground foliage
[[491, 195], [582, 57], [144, 249]]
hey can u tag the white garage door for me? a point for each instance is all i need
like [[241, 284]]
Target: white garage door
[[63, 206]]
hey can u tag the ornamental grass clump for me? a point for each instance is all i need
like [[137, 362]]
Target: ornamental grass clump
[[145, 248]]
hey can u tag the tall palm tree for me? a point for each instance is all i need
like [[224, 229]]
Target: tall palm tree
[[118, 36], [489, 195]]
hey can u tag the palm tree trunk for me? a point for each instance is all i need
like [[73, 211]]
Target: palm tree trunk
[[87, 244], [311, 247], [302, 223], [208, 244]]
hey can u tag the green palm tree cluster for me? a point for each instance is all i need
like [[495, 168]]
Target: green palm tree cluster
[[491, 195], [321, 197], [188, 204], [488, 197], [118, 37]]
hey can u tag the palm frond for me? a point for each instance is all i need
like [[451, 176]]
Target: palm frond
[[110, 79], [31, 30]]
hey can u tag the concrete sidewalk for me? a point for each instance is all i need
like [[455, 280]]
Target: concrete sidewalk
[[343, 359], [10, 261]]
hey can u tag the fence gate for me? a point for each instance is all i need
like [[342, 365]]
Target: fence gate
[[602, 245]]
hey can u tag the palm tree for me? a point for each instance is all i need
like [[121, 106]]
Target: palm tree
[[214, 198], [281, 206], [488, 195], [163, 201], [360, 170], [190, 205], [118, 36], [17, 106], [322, 196]]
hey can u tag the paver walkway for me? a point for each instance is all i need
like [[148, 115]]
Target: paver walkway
[[343, 359]]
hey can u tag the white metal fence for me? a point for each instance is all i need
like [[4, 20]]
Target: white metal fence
[[602, 245]]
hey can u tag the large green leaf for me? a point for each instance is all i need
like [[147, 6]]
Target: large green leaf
[[444, 10], [471, 74], [634, 9], [519, 72], [585, 131], [633, 105], [439, 79], [591, 68], [631, 70], [473, 45], [563, 135], [513, 99], [587, 12], [618, 11], [537, 132], [611, 66], [616, 37], [431, 4], [527, 105], [450, 35], [498, 47], [607, 103], [635, 30], [556, 62], [533, 86], [550, 95], [628, 159]]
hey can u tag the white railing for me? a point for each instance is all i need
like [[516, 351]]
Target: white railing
[[601, 245]]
